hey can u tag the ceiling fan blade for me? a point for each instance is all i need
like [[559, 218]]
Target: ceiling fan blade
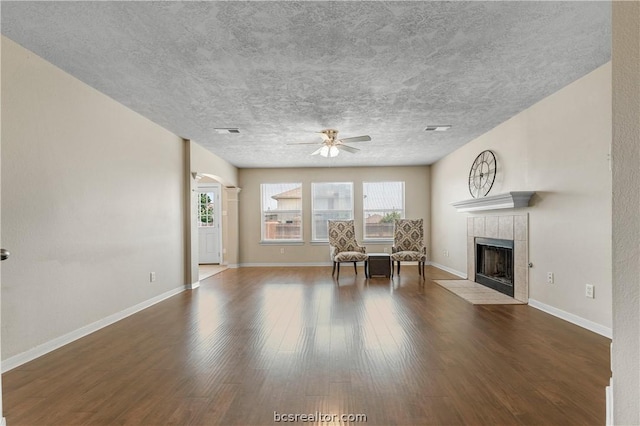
[[357, 139], [317, 151], [347, 148]]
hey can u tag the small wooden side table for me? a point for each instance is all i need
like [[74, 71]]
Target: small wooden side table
[[379, 264]]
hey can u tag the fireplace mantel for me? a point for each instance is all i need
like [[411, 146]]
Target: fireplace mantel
[[510, 200]]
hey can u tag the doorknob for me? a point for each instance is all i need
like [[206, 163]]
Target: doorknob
[[4, 254]]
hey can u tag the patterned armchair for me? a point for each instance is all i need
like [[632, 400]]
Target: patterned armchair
[[344, 247], [408, 244]]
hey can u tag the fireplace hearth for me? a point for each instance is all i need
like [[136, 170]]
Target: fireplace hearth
[[494, 264]]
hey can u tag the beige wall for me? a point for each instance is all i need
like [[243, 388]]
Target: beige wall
[[252, 252], [2, 419], [559, 148], [92, 202], [626, 213], [204, 161]]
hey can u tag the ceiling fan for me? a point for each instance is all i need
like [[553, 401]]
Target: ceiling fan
[[331, 145]]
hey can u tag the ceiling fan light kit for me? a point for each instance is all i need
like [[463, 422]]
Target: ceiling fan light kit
[[329, 151]]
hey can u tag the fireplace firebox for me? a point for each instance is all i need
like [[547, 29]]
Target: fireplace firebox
[[494, 264]]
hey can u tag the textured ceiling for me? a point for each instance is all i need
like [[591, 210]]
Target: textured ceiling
[[280, 71]]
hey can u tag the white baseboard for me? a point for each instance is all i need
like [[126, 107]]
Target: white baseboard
[[250, 265], [38, 351], [232, 265], [609, 403], [462, 275], [3, 422], [193, 286], [285, 264], [574, 319]]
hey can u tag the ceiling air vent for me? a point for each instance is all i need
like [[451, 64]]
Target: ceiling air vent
[[438, 128], [226, 130]]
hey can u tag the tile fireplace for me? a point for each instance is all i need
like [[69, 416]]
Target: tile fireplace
[[504, 262]]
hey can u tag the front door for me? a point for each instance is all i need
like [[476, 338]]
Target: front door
[[209, 223]]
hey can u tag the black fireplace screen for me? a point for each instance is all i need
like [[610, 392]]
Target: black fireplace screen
[[494, 264]]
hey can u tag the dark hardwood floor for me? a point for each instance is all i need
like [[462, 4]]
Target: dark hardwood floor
[[253, 341]]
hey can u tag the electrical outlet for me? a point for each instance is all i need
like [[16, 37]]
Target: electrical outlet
[[385, 249], [589, 291], [446, 253], [549, 277], [282, 251], [152, 277]]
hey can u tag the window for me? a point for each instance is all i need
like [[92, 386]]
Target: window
[[281, 211], [205, 209], [383, 203], [331, 201]]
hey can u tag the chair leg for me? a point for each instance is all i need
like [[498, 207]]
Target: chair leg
[[366, 269], [355, 268], [423, 270], [333, 272], [420, 268], [338, 276], [398, 267]]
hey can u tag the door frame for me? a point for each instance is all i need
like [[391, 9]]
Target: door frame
[[217, 214]]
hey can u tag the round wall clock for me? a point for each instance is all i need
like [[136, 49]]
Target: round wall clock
[[482, 174]]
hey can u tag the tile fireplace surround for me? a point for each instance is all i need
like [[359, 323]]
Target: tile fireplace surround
[[504, 227]]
